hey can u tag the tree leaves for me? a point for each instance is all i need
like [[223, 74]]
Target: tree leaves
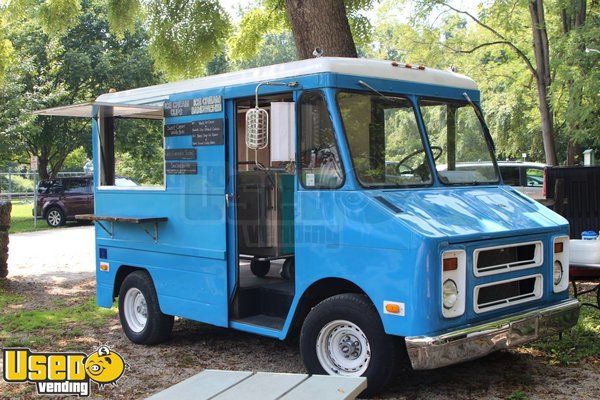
[[186, 34], [57, 16], [254, 26], [74, 67], [6, 51], [122, 15]]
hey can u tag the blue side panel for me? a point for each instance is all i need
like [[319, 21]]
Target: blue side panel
[[357, 240], [187, 261]]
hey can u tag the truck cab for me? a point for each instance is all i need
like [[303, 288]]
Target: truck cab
[[324, 198]]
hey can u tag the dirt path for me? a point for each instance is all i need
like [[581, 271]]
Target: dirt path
[[54, 255]]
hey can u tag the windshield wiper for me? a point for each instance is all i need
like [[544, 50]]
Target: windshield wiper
[[372, 89], [488, 136]]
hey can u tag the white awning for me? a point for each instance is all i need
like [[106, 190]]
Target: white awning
[[85, 110]]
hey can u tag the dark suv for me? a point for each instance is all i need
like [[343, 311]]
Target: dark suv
[[61, 199]]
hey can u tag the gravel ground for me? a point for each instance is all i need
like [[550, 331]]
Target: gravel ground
[[195, 347], [34, 254]]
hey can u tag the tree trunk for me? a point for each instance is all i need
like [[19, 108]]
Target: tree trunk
[[541, 51], [43, 167], [323, 24], [5, 208]]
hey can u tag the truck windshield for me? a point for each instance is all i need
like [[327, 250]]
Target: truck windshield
[[384, 140], [458, 142]]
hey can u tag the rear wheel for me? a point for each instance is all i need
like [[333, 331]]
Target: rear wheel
[[55, 217], [343, 335], [139, 312], [288, 269], [260, 268]]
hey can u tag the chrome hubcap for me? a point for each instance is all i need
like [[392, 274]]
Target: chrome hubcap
[[343, 349], [135, 310], [54, 218]]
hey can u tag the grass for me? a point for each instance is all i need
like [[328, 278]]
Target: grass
[[517, 395], [21, 219], [581, 342], [40, 327]]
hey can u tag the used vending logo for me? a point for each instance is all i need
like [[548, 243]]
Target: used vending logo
[[63, 373]]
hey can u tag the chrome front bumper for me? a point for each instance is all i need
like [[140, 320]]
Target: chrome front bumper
[[429, 352]]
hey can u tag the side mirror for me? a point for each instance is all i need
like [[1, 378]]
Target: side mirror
[[257, 128]]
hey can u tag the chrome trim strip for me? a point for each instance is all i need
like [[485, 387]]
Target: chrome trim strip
[[430, 352], [538, 292], [538, 259]]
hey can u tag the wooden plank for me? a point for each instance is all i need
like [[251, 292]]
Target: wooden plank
[[325, 387], [263, 386], [130, 220], [202, 386]]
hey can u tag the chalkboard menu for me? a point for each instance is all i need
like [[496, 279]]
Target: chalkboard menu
[[204, 133], [182, 168], [201, 105], [207, 132], [180, 154], [178, 129]]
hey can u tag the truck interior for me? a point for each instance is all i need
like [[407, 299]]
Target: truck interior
[[264, 202]]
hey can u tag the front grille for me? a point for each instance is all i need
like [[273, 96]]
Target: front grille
[[512, 257], [492, 296]]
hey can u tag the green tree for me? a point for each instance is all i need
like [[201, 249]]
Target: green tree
[[84, 62], [522, 53], [6, 49]]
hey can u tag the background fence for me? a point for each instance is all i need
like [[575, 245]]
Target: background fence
[[578, 200], [21, 185]]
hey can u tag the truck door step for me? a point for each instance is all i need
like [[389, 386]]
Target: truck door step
[[265, 321], [268, 301]]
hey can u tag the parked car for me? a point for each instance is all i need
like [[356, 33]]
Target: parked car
[[526, 177], [60, 199]]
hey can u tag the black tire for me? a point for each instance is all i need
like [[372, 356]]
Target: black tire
[[260, 268], [158, 326], [55, 217], [357, 309], [288, 269]]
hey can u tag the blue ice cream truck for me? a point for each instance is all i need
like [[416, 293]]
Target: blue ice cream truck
[[355, 203]]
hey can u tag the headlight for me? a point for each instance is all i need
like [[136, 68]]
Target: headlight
[[450, 293], [560, 267], [558, 272]]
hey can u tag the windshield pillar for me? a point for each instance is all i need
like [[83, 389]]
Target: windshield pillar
[[451, 138]]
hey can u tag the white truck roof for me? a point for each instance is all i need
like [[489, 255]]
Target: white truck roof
[[359, 67]]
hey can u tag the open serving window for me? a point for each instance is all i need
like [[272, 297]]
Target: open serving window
[[126, 134]]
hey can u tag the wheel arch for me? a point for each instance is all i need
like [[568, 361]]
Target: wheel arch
[[317, 292], [122, 273], [49, 206]]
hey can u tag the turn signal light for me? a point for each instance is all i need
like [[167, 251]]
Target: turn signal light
[[392, 308], [450, 264], [558, 247]]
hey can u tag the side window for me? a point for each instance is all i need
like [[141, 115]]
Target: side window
[[320, 165], [56, 187], [510, 175], [76, 186], [535, 177]]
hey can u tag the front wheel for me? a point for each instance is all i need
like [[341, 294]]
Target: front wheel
[[139, 312], [343, 335], [55, 217]]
